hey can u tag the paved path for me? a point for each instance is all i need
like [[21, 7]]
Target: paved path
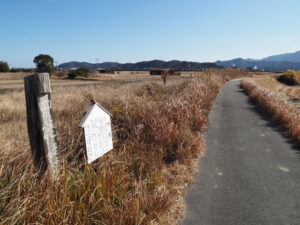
[[250, 173]]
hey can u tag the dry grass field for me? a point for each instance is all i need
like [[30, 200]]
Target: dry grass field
[[10, 81], [158, 137], [292, 93], [281, 102], [155, 139]]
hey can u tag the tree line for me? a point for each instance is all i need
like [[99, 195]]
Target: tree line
[[45, 64]]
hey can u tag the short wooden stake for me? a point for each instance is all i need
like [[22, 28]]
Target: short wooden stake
[[40, 123]]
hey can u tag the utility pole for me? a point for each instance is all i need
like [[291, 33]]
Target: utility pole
[[97, 62]]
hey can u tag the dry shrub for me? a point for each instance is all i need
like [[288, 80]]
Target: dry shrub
[[226, 74], [290, 78], [60, 74], [277, 106], [157, 137]]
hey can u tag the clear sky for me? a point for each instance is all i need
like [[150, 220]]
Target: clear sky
[[136, 30]]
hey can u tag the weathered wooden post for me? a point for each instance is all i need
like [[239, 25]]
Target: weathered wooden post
[[164, 76], [40, 124]]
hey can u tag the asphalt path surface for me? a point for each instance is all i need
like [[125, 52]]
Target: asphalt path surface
[[250, 173]]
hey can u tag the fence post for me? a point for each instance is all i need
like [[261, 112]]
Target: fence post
[[40, 123]]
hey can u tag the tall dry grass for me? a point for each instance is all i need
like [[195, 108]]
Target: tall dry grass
[[282, 112], [14, 76], [226, 74], [157, 136]]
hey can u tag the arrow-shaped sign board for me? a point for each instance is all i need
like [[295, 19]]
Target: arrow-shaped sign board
[[97, 131]]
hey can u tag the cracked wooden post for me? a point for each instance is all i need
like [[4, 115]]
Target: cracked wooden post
[[40, 123]]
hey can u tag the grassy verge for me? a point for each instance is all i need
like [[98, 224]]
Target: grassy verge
[[282, 112]]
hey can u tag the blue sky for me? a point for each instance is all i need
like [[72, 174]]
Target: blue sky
[[136, 30]]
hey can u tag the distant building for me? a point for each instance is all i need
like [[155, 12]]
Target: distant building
[[107, 71], [252, 69], [160, 71]]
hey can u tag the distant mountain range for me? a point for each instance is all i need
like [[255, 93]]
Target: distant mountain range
[[145, 65], [276, 63], [289, 57], [74, 64], [260, 65]]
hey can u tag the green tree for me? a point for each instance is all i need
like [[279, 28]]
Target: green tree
[[81, 72], [4, 67], [44, 63], [72, 75]]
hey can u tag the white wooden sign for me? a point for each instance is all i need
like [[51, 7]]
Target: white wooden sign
[[97, 131]]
